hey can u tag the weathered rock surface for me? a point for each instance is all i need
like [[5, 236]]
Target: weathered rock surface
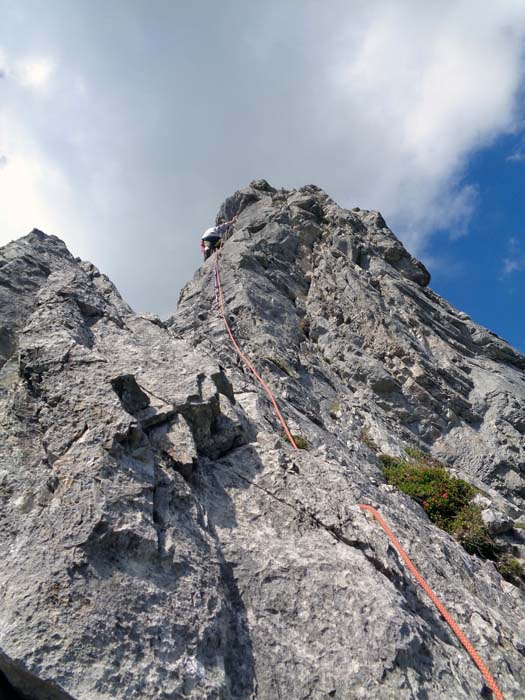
[[159, 537]]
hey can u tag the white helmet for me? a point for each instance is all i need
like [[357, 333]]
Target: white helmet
[[209, 231]]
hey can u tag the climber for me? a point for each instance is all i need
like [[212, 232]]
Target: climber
[[212, 237]]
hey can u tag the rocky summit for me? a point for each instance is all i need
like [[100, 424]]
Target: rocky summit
[[160, 537]]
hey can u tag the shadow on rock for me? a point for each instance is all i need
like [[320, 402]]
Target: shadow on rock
[[212, 483]]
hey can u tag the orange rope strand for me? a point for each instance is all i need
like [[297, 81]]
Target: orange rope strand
[[439, 605], [246, 360]]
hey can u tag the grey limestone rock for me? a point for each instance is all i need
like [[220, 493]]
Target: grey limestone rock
[[496, 522], [160, 538]]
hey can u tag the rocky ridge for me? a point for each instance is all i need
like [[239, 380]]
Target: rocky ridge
[[160, 538]]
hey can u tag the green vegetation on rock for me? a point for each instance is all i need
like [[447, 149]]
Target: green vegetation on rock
[[442, 496], [447, 500], [334, 410], [470, 531], [511, 570], [299, 440]]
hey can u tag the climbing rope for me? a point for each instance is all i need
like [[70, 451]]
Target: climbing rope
[[498, 695], [243, 357], [439, 605]]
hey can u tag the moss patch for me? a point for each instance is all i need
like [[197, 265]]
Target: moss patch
[[334, 410], [299, 440]]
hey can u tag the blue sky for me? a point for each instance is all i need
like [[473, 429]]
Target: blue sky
[[483, 272], [124, 125]]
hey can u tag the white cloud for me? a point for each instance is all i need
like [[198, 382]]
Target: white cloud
[[510, 266], [514, 261], [433, 82], [518, 154]]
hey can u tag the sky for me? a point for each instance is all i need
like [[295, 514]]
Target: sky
[[124, 125]]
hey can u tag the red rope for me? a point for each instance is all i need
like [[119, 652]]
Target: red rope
[[245, 359], [439, 605], [424, 585]]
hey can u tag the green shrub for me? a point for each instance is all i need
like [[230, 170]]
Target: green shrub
[[442, 496], [447, 501], [511, 569], [388, 461], [470, 531]]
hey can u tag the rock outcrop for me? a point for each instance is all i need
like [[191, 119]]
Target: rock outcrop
[[159, 536]]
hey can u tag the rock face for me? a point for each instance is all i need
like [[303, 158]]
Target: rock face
[[159, 537]]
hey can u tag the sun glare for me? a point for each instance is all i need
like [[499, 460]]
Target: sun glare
[[37, 72]]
